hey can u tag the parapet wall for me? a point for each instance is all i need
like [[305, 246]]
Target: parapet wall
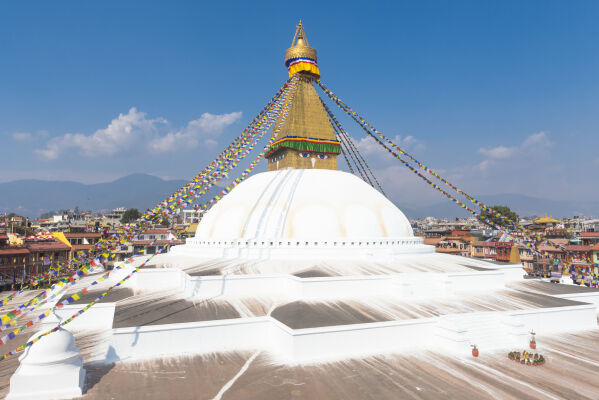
[[298, 346], [367, 248]]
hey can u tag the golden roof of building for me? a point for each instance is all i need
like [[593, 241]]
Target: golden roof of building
[[547, 220]]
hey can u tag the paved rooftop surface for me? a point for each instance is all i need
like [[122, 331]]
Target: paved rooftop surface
[[552, 288], [571, 372], [159, 309], [303, 314], [112, 296]]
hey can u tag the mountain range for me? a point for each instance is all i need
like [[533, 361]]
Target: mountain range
[[522, 204], [32, 198], [35, 197]]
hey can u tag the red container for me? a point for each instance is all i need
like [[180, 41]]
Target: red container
[[475, 352], [533, 345]]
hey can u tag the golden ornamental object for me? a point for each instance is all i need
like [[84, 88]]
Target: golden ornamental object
[[300, 57]]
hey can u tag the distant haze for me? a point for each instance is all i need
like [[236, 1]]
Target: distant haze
[[34, 197], [523, 205]]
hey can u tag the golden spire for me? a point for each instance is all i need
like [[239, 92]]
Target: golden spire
[[300, 57], [305, 138], [300, 36]]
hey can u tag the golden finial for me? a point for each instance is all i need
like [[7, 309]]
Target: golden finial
[[300, 36], [300, 57]]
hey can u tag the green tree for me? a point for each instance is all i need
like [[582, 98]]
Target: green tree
[[130, 215], [505, 212]]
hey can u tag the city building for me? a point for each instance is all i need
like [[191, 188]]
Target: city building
[[458, 245], [150, 240], [45, 254], [78, 241], [114, 217], [589, 238]]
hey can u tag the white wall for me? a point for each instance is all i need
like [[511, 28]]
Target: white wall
[[408, 285], [98, 317], [558, 319], [189, 338], [333, 342]]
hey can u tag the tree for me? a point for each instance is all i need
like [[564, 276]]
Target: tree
[[505, 212], [130, 215]]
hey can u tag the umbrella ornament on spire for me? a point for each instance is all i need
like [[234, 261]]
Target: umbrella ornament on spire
[[300, 57]]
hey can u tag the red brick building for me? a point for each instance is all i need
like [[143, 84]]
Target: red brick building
[[498, 251], [46, 253], [589, 238]]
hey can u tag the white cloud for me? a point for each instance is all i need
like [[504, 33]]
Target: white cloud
[[134, 129], [404, 188], [484, 165], [22, 136], [522, 168], [201, 130], [213, 123], [368, 146], [536, 141], [498, 152], [26, 137], [119, 135]]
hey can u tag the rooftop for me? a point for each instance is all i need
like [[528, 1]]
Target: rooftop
[[589, 234], [41, 246], [8, 251], [82, 234]]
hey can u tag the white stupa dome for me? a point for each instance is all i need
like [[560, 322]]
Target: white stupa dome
[[303, 213], [303, 204]]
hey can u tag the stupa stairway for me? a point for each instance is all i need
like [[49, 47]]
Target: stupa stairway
[[484, 329]]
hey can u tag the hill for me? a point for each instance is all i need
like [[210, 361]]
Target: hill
[[32, 197]]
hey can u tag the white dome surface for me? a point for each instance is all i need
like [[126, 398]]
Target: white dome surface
[[303, 204]]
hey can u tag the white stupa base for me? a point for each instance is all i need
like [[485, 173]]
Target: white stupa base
[[52, 368], [566, 280], [264, 249], [64, 382]]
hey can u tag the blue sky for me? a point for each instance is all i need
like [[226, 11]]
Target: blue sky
[[501, 97]]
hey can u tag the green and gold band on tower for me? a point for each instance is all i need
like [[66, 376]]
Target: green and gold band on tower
[[306, 144]]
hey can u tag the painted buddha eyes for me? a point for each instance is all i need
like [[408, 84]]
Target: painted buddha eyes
[[277, 158], [307, 155]]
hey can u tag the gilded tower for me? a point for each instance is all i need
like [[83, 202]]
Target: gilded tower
[[306, 139]]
